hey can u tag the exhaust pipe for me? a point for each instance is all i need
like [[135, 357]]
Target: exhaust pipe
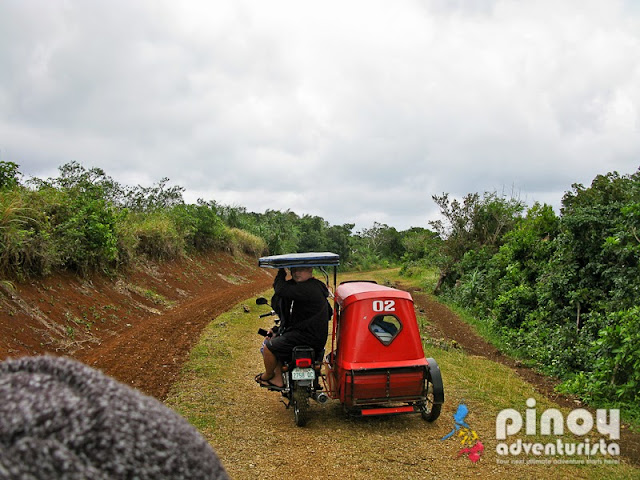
[[321, 397]]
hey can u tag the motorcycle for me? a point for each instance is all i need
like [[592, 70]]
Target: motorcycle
[[301, 375]]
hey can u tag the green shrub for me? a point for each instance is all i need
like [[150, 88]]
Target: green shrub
[[611, 377], [617, 356], [87, 239], [242, 241], [156, 236], [26, 246], [200, 226], [511, 308], [8, 175], [127, 239]]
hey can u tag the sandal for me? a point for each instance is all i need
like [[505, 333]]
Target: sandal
[[267, 383], [260, 379]]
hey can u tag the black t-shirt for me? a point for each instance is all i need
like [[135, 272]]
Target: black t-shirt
[[305, 307]]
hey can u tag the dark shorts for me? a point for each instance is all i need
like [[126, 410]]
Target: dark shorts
[[282, 345]]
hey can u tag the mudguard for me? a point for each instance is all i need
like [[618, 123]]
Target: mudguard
[[436, 379]]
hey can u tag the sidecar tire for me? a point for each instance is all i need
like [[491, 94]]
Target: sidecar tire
[[430, 411]]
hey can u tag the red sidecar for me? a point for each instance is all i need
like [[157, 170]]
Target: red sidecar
[[377, 365]]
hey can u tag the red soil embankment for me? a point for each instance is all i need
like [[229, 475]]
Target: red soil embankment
[[138, 327]]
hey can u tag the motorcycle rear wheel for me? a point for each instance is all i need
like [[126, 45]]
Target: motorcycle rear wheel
[[301, 406]]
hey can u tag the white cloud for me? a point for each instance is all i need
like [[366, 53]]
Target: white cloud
[[354, 111]]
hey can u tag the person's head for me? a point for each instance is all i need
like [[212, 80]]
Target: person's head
[[301, 274], [60, 418]]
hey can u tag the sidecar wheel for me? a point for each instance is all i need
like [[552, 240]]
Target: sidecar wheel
[[300, 407], [430, 411]]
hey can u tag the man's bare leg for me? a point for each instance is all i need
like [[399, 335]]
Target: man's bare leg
[[272, 368]]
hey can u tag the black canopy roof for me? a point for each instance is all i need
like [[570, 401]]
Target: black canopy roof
[[309, 259]]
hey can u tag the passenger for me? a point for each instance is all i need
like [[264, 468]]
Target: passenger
[[302, 305]]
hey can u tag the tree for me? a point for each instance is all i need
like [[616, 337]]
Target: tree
[[383, 241], [339, 240], [474, 224], [9, 175], [156, 197], [596, 263], [313, 234], [280, 230], [420, 244], [76, 180]]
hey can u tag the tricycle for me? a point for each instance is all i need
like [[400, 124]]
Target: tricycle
[[376, 363]]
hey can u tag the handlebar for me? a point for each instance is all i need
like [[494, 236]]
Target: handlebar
[[270, 314]]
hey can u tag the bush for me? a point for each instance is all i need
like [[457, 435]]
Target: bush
[[511, 308], [127, 240], [8, 175], [242, 241], [157, 236], [26, 245], [617, 356], [200, 226], [612, 377], [87, 238]]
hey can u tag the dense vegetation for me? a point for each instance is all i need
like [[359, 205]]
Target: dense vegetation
[[84, 221], [286, 232], [559, 291]]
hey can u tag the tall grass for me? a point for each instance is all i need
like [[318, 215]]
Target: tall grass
[[82, 230], [245, 242], [26, 239], [155, 236]]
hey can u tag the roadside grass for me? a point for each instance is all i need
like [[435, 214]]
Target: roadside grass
[[386, 276], [150, 295], [245, 424], [210, 365], [483, 329]]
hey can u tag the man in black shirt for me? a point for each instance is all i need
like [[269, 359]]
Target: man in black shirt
[[304, 312]]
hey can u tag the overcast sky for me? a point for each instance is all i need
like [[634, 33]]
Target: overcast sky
[[356, 111]]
